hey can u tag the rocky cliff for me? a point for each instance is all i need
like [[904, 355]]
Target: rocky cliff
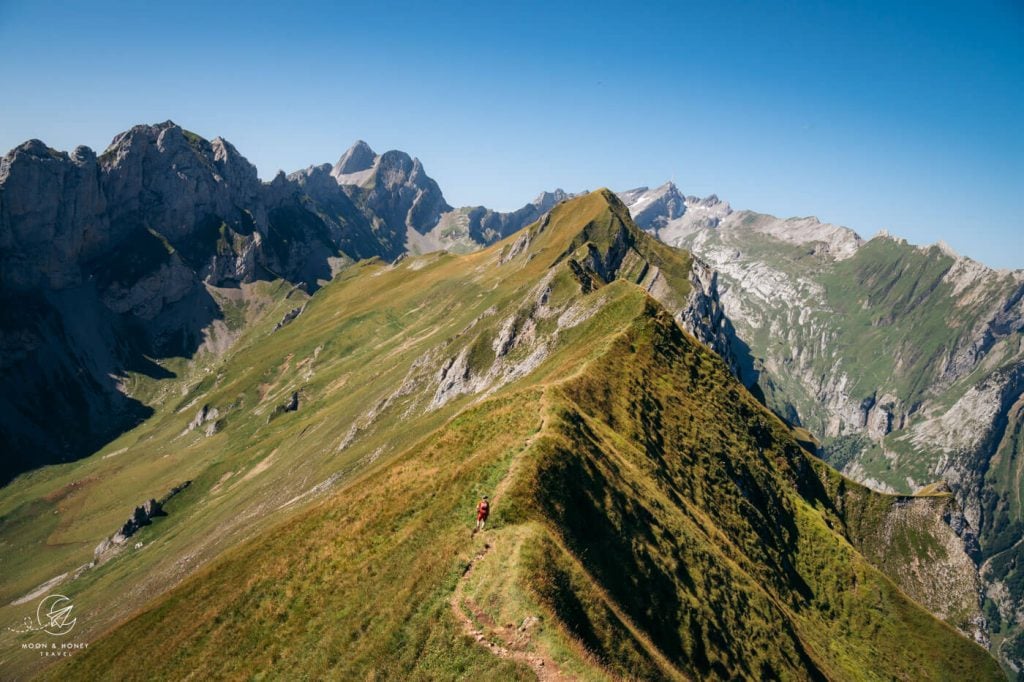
[[108, 262], [906, 361]]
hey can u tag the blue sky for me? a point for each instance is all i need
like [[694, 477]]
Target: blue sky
[[901, 115]]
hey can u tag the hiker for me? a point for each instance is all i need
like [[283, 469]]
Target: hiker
[[483, 509]]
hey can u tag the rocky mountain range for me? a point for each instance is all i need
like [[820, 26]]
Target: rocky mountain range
[[110, 262], [129, 281]]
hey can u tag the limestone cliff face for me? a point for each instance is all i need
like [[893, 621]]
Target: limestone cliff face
[[52, 215], [906, 361], [173, 180], [704, 316], [393, 189], [106, 262], [61, 213]]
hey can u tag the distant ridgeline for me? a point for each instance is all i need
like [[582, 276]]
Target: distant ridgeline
[[907, 362]]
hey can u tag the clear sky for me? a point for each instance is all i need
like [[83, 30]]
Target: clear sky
[[904, 115]]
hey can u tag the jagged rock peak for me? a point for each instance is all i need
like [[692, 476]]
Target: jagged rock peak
[[667, 188], [655, 208], [37, 149], [359, 157], [169, 140], [35, 152], [165, 137], [545, 200], [83, 154], [885, 234], [706, 202], [143, 130]]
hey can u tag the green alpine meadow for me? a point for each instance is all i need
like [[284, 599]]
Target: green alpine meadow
[[651, 518]]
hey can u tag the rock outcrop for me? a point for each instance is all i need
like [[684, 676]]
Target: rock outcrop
[[289, 317], [292, 405], [142, 516], [208, 418]]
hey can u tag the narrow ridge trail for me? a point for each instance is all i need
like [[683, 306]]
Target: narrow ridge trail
[[511, 640], [508, 642]]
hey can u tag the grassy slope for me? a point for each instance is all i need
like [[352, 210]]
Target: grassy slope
[[657, 490], [661, 523], [354, 346], [53, 518], [887, 319], [638, 418], [696, 510]]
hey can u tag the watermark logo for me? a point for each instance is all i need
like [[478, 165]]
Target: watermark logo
[[53, 615]]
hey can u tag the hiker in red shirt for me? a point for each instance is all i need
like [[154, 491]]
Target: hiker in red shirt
[[483, 509]]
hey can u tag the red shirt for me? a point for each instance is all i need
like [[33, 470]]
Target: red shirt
[[482, 510]]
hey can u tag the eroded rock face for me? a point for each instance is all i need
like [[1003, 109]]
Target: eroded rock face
[[105, 263], [61, 215], [704, 316], [204, 179], [52, 216], [207, 418], [393, 188]]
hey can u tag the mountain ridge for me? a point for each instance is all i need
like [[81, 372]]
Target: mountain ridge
[[154, 237], [905, 360], [631, 475], [189, 273]]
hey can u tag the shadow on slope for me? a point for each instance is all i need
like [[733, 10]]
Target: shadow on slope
[[64, 397]]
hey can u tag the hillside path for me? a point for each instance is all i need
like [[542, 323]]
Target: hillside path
[[506, 642]]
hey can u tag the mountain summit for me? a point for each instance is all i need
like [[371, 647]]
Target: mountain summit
[[359, 157]]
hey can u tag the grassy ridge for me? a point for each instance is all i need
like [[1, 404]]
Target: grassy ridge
[[660, 518], [651, 518], [696, 510]]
